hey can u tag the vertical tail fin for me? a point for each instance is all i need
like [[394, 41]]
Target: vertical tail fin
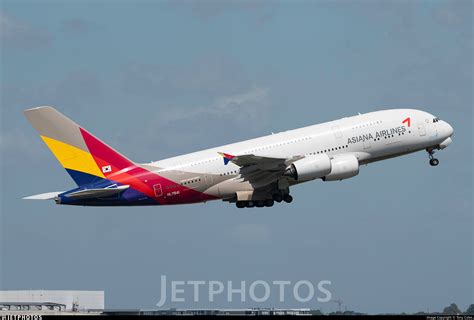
[[84, 157]]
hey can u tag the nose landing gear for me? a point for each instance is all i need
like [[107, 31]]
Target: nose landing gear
[[433, 161]]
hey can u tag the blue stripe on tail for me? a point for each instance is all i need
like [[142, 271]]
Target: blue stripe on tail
[[81, 178]]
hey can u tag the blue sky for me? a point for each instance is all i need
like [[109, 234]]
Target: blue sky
[[158, 78]]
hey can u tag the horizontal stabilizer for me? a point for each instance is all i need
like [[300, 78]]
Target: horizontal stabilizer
[[44, 196], [96, 193]]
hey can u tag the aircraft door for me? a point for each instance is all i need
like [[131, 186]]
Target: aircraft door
[[337, 132], [421, 129], [209, 179], [366, 144], [434, 130], [431, 128], [158, 190]]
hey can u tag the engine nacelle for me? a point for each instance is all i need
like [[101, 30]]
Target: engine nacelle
[[309, 168], [343, 167]]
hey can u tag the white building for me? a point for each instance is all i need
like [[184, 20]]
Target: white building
[[69, 300]]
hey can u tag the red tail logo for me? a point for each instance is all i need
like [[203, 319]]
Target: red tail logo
[[407, 120]]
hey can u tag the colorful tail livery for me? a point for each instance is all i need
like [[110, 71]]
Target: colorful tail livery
[[103, 175], [256, 172], [85, 158]]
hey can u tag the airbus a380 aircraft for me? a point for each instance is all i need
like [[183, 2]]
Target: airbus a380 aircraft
[[250, 173]]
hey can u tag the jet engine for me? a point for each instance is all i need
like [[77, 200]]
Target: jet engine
[[343, 167], [309, 168]]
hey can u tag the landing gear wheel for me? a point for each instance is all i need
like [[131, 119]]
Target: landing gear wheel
[[288, 198], [434, 162], [277, 197], [240, 204], [269, 203], [250, 204], [260, 203]]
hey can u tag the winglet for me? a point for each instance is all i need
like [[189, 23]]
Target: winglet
[[227, 157]]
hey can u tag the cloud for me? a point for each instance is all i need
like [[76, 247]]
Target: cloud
[[209, 92], [77, 89], [175, 130], [241, 107], [239, 111], [453, 13], [206, 76], [20, 35]]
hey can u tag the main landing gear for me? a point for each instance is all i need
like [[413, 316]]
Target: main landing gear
[[282, 196], [256, 203], [265, 203], [433, 161]]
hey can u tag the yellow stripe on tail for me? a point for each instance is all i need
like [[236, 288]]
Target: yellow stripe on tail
[[73, 158]]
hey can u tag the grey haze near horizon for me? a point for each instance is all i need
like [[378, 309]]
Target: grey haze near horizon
[[158, 79]]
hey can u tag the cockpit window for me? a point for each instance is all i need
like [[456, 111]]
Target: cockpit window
[[435, 120]]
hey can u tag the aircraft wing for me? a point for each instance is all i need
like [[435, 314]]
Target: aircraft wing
[[259, 170]]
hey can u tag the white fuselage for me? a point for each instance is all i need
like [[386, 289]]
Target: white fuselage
[[369, 137]]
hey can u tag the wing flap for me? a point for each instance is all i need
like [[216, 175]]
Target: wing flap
[[246, 160], [259, 170], [251, 159]]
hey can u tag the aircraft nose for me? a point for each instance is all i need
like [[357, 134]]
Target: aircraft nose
[[448, 130]]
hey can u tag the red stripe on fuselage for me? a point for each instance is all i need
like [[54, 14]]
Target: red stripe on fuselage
[[126, 172]]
